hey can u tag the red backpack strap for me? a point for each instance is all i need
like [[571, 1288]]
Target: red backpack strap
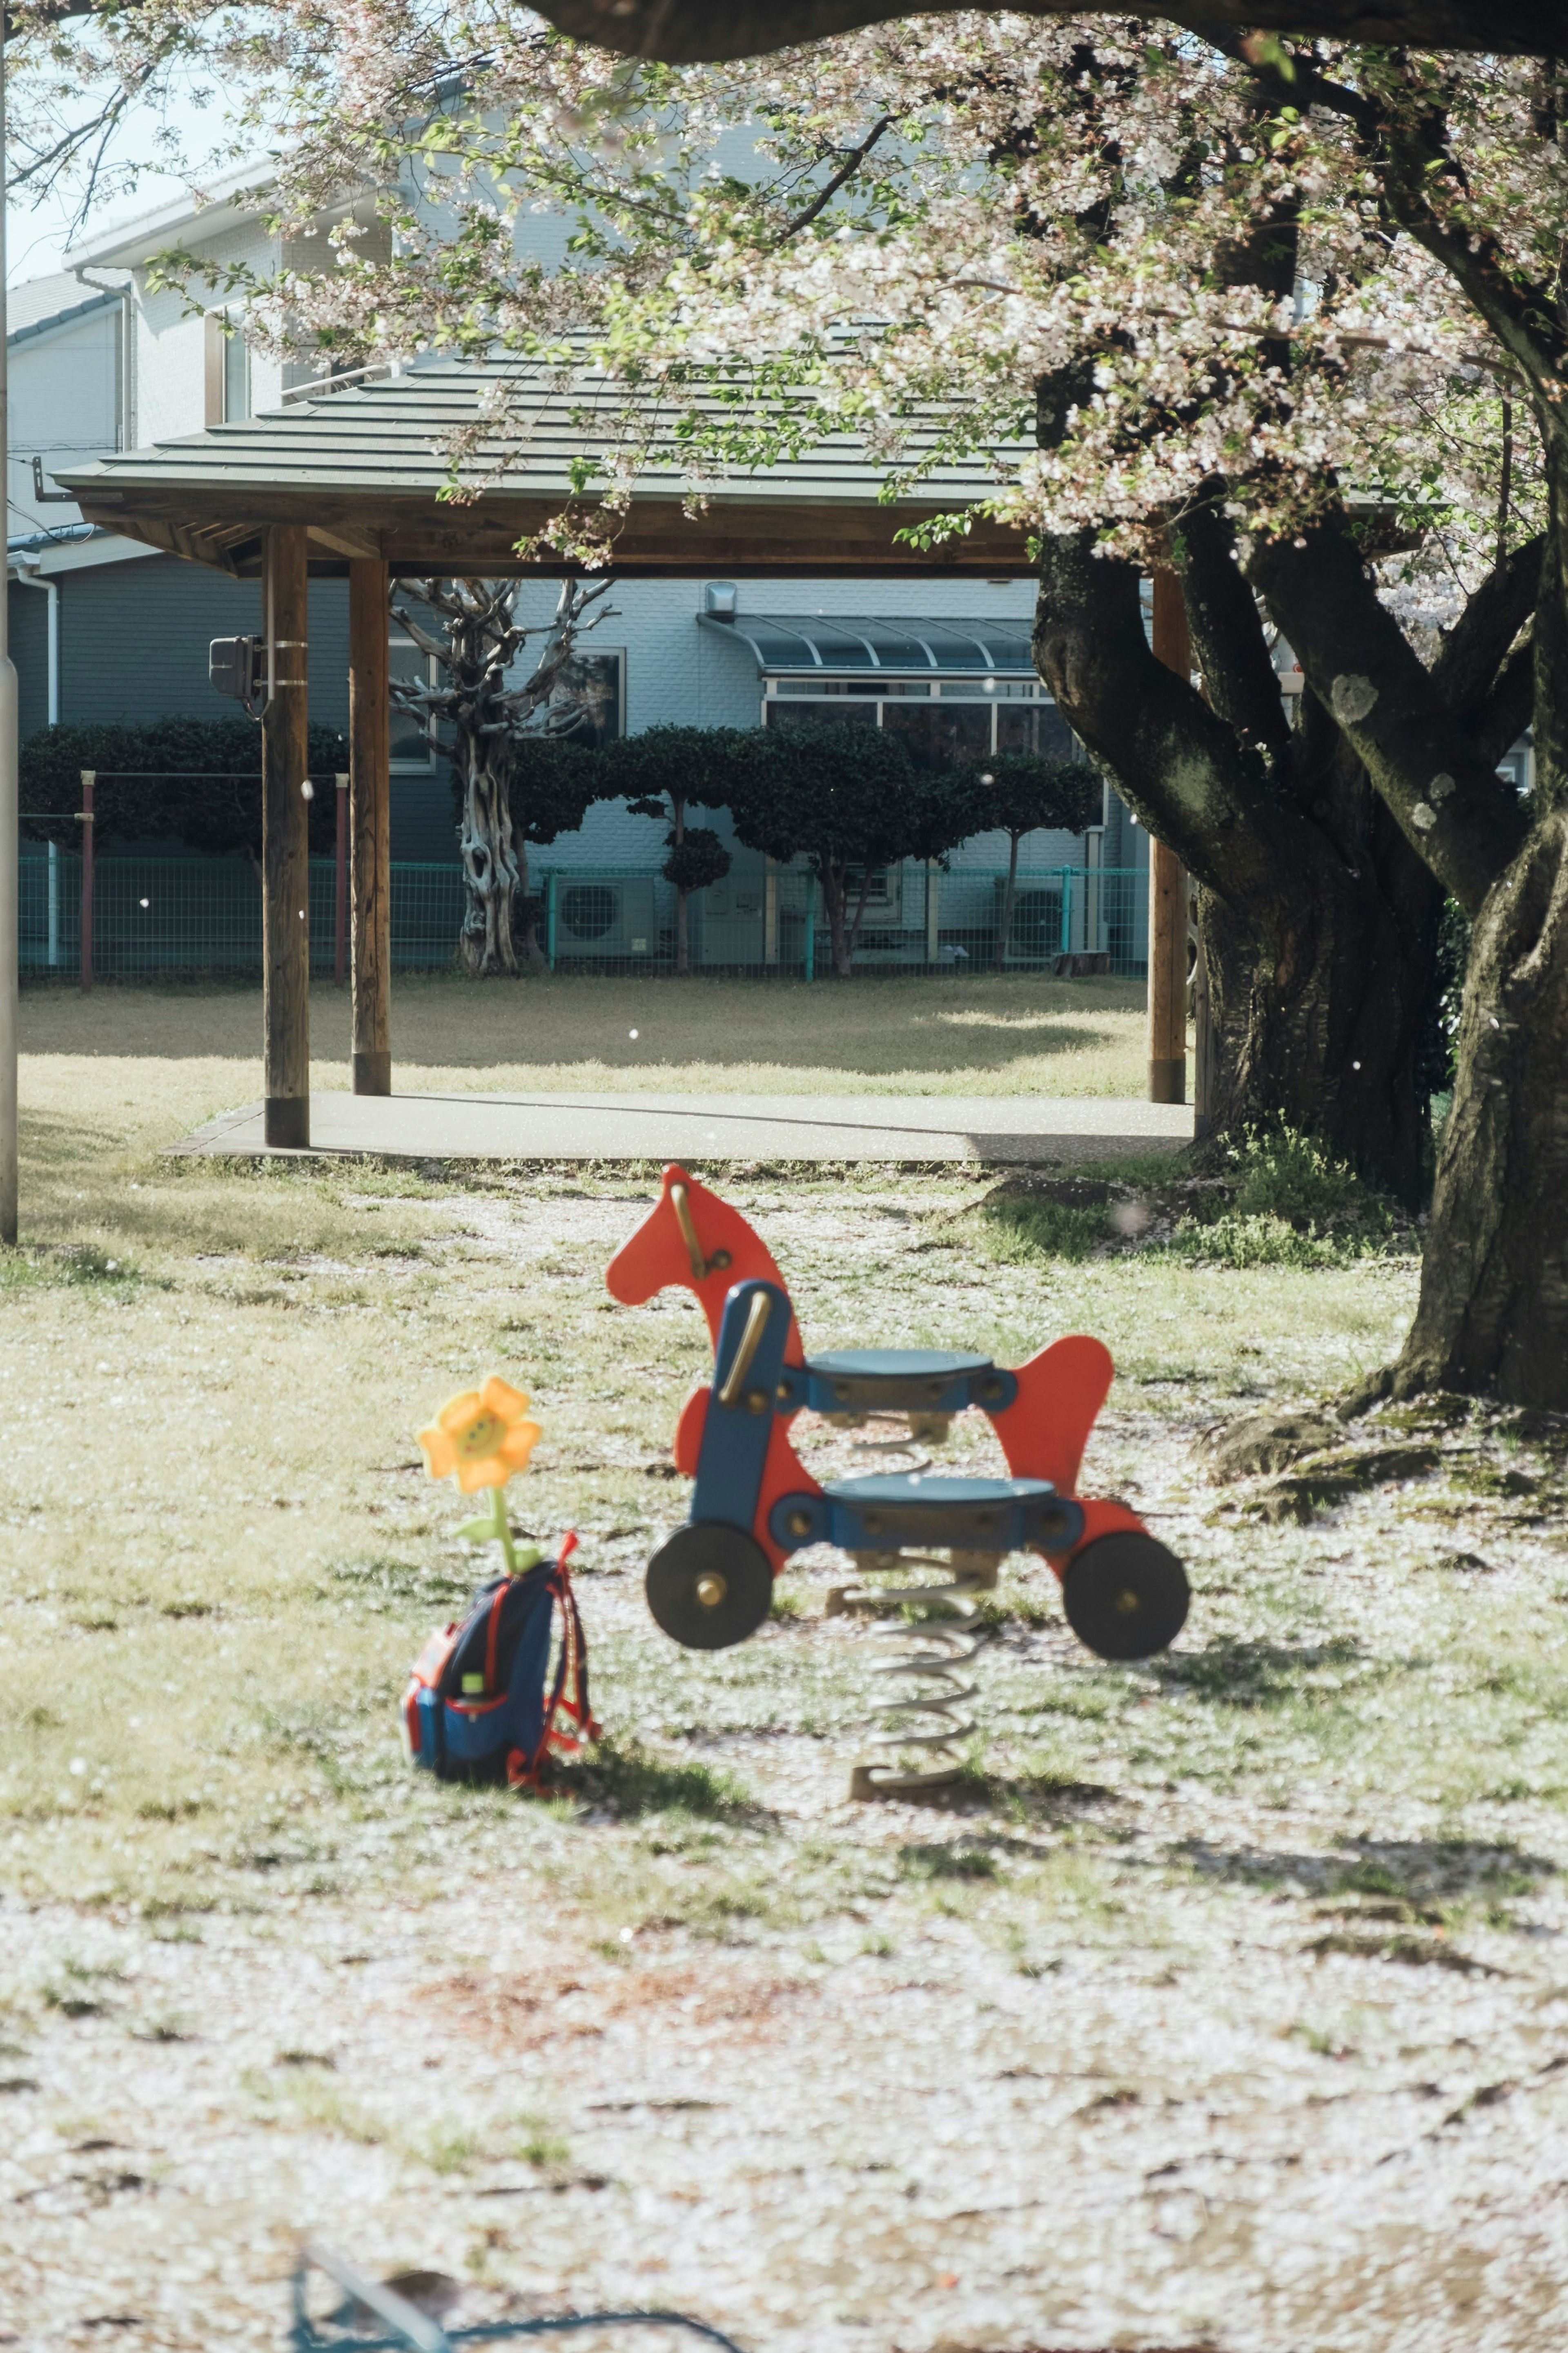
[[569, 1692]]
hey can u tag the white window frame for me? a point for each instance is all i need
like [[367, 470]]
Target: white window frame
[[399, 641]]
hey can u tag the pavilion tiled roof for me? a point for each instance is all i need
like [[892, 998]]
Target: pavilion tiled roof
[[368, 470]]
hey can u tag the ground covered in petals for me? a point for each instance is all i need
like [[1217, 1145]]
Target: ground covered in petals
[[1224, 2007]]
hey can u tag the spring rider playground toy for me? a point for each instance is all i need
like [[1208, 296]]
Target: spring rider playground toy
[[754, 1502]]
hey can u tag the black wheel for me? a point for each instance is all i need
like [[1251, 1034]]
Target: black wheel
[[1126, 1596], [710, 1586]]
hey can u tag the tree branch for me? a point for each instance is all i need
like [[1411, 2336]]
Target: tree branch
[[683, 32], [1467, 667], [1175, 761], [826, 195], [1498, 722], [1454, 811], [1228, 639]]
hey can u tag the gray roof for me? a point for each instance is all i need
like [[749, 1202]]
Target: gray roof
[[369, 463], [44, 304]]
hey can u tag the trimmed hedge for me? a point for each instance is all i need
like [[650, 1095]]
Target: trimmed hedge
[[218, 813]]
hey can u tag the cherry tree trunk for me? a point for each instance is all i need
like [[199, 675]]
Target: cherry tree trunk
[[1493, 1312], [490, 869], [1317, 1002]]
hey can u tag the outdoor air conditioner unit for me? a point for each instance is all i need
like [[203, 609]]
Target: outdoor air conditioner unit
[[1037, 933], [597, 919]]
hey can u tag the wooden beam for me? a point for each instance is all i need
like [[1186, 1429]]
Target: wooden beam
[[796, 537], [285, 846], [1168, 889], [344, 538], [370, 831]]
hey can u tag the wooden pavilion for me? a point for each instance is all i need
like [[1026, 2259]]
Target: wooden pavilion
[[360, 481]]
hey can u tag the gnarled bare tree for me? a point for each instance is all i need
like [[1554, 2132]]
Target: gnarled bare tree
[[485, 727]]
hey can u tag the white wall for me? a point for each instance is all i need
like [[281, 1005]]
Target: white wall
[[65, 408]]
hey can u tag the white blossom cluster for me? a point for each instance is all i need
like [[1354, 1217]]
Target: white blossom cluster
[[930, 233]]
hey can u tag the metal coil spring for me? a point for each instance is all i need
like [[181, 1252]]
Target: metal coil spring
[[933, 1656]]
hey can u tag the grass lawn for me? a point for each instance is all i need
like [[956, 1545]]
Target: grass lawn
[[1226, 2009]]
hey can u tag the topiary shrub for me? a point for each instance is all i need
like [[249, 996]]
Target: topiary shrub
[[167, 795]]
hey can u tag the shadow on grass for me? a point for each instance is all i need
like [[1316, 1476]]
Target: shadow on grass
[[933, 1862], [1024, 1797], [631, 1781], [1254, 1674], [1414, 1873]]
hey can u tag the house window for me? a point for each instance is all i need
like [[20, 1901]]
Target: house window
[[227, 368], [593, 688], [949, 722], [412, 735], [590, 693], [413, 738], [885, 897]]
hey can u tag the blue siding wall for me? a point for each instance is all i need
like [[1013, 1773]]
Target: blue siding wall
[[134, 642], [27, 616]]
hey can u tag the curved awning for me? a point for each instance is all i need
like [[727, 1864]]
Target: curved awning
[[839, 644]]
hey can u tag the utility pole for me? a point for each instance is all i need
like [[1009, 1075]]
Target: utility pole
[[10, 819]]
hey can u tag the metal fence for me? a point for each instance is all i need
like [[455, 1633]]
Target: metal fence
[[204, 914], [916, 918]]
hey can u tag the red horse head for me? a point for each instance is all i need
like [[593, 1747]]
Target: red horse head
[[693, 1237]]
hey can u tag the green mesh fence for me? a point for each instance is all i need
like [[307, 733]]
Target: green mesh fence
[[915, 918], [204, 914]]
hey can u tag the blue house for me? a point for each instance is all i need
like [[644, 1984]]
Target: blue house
[[105, 628]]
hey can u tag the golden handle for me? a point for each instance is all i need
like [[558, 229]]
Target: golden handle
[[757, 1315], [682, 1208], [701, 1268]]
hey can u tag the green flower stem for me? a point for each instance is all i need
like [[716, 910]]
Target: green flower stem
[[503, 1528]]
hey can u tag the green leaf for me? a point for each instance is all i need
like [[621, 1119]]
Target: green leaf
[[476, 1529]]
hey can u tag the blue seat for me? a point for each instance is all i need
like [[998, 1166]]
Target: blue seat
[[903, 1380], [890, 1509]]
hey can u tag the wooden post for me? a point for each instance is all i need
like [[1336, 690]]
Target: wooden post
[[370, 829], [285, 846], [1168, 889], [85, 818], [340, 885]]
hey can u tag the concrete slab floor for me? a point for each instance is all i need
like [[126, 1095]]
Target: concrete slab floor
[[1019, 1128]]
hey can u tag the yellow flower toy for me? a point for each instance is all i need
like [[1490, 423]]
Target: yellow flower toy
[[480, 1439]]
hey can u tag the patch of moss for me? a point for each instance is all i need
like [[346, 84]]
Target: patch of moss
[[1334, 1478]]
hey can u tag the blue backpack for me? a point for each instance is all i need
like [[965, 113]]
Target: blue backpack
[[481, 1704]]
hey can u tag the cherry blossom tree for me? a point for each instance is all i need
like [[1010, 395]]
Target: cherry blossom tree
[[1281, 312], [1271, 313]]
